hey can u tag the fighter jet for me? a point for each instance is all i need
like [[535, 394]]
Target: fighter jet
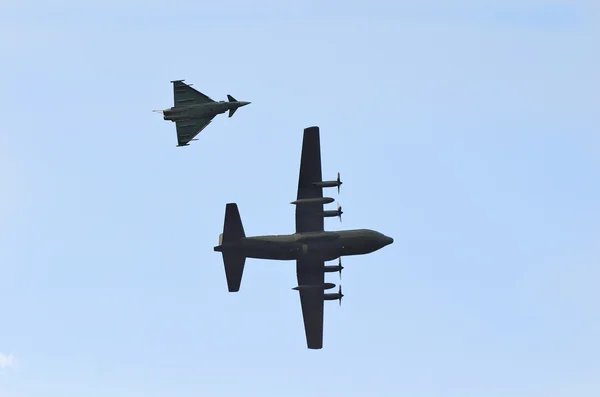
[[193, 111], [310, 246]]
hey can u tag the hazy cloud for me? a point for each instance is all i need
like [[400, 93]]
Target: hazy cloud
[[6, 361]]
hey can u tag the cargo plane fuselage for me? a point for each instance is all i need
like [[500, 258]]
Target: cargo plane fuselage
[[324, 246]]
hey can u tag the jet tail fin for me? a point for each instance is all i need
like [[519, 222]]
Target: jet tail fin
[[233, 231]]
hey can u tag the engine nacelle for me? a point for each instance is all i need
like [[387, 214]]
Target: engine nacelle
[[326, 183], [337, 268], [338, 182], [332, 297], [330, 213]]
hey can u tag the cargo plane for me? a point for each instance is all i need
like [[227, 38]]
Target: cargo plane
[[311, 246]]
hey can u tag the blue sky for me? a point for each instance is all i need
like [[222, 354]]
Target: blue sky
[[468, 132]]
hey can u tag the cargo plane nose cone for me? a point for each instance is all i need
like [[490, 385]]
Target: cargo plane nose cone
[[389, 241]]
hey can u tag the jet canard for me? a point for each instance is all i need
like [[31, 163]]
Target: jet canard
[[193, 111], [310, 246]]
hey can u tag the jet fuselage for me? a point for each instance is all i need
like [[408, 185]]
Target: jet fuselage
[[202, 110], [317, 245]]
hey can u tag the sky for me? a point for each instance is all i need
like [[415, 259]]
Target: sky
[[467, 131]]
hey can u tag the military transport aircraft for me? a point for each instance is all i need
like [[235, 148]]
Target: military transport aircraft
[[310, 246], [193, 111]]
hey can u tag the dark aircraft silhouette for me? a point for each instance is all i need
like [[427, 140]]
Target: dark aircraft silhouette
[[193, 111], [310, 246]]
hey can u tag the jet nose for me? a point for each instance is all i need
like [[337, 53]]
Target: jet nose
[[242, 103], [389, 241]]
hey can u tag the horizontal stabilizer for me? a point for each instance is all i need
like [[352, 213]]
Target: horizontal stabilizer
[[233, 229], [234, 269], [233, 232]]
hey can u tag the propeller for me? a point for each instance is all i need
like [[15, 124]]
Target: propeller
[[340, 265], [340, 212], [339, 182], [340, 295]]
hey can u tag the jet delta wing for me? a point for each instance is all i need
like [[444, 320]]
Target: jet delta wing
[[188, 129], [185, 95]]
